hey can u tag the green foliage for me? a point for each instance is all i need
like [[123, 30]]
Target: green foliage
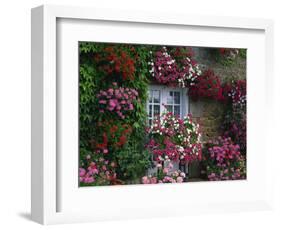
[[227, 56], [132, 161], [243, 53]]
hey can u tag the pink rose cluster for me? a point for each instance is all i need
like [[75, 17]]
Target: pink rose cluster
[[223, 160], [117, 100], [99, 172], [174, 138], [164, 175], [174, 67]]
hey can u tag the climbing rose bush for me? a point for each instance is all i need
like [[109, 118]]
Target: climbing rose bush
[[237, 130], [235, 122], [173, 138], [175, 67], [116, 61], [117, 100], [164, 175], [97, 172], [207, 85], [113, 136], [235, 92], [222, 160]]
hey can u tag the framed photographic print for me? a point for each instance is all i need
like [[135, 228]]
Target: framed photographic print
[[138, 115]]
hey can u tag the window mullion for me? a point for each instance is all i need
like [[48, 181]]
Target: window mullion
[[161, 100]]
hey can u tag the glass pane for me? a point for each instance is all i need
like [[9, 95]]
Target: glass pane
[[177, 110], [150, 122], [177, 97], [156, 110], [150, 96], [170, 98], [150, 111], [169, 108], [156, 96]]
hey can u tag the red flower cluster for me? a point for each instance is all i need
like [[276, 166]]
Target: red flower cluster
[[114, 136], [121, 133], [208, 85], [115, 60]]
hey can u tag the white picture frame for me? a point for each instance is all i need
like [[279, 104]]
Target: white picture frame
[[47, 175]]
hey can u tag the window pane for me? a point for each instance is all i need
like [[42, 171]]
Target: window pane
[[150, 111], [177, 110], [170, 98], [169, 108], [156, 96], [177, 97], [150, 96], [156, 110]]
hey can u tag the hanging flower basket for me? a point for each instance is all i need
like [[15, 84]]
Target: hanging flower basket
[[174, 139], [174, 67]]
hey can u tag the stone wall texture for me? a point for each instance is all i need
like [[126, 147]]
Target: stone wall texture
[[209, 113]]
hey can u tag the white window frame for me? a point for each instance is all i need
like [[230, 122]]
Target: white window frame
[[184, 100]]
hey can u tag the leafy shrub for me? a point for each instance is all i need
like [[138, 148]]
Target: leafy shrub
[[132, 161], [107, 124]]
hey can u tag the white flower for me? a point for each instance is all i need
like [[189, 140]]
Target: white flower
[[181, 149]]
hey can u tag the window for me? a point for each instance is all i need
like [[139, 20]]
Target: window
[[162, 99]]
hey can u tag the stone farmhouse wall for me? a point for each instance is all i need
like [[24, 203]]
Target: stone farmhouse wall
[[209, 113]]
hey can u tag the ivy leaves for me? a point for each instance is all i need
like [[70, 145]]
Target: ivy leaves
[[132, 159]]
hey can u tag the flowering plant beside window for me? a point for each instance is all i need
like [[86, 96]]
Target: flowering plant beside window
[[208, 85], [175, 67], [117, 100], [113, 136], [164, 175], [97, 172], [234, 124], [236, 93], [113, 60], [236, 129], [174, 138], [223, 161]]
